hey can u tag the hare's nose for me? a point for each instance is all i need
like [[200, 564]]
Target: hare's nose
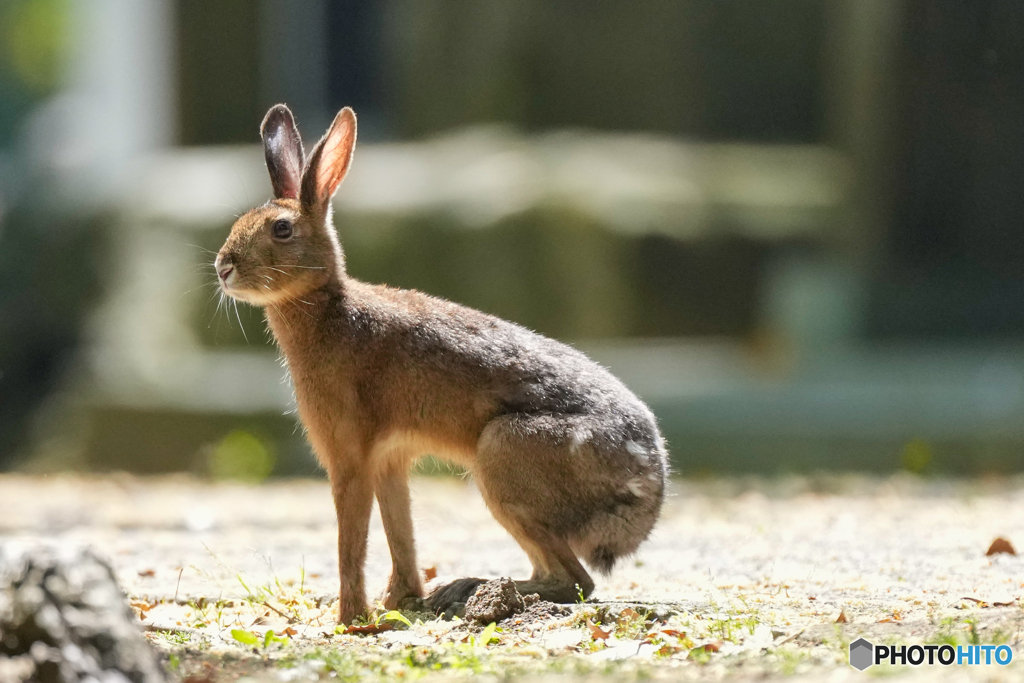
[[224, 265]]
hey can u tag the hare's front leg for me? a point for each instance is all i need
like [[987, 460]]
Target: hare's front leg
[[353, 501], [396, 513]]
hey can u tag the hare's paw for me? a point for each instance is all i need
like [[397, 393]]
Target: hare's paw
[[450, 599]]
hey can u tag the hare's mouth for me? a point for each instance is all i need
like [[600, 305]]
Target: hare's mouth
[[252, 295]]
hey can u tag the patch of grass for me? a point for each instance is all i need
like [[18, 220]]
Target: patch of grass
[[180, 638]]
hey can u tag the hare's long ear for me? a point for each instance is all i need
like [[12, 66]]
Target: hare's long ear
[[282, 147], [329, 161]]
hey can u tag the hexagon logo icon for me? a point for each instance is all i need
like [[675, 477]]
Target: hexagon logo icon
[[862, 654]]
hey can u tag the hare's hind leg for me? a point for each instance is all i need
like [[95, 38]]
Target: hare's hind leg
[[539, 486], [557, 575]]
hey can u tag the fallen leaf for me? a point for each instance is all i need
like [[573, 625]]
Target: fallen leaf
[[596, 632], [674, 633], [984, 603], [1000, 545], [562, 639], [841, 619], [624, 649], [244, 637], [430, 573], [289, 632], [713, 646], [147, 572], [368, 630]]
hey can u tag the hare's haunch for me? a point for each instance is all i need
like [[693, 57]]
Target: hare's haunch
[[568, 460]]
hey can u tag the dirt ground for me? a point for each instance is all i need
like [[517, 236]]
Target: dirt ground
[[741, 580]]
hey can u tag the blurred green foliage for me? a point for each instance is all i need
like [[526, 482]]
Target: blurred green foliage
[[242, 455], [916, 455], [36, 36], [34, 41]]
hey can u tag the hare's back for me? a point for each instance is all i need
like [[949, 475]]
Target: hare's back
[[525, 371]]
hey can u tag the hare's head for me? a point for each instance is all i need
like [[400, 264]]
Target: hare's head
[[288, 247]]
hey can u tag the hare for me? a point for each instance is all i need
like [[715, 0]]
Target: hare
[[566, 458]]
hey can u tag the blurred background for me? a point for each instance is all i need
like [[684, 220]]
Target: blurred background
[[792, 226]]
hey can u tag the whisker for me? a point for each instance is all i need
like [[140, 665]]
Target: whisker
[[303, 311], [240, 325], [196, 246], [282, 316], [287, 265], [216, 314], [228, 207], [205, 284]]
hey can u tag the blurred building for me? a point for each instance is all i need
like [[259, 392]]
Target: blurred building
[[791, 226]]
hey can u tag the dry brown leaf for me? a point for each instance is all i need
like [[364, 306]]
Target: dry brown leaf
[[289, 632], [713, 646], [596, 632], [369, 629], [984, 603], [1000, 545], [147, 572], [430, 573], [841, 619], [674, 633]]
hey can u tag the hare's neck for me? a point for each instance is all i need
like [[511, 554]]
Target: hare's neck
[[302, 325]]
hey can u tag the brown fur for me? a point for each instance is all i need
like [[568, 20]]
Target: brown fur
[[567, 459]]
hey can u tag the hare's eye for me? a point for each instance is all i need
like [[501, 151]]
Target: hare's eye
[[281, 230]]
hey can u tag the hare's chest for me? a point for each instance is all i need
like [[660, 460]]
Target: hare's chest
[[328, 410]]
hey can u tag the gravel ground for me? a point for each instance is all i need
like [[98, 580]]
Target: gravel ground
[[742, 579]]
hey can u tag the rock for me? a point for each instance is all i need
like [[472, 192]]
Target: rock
[[63, 617], [494, 601]]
